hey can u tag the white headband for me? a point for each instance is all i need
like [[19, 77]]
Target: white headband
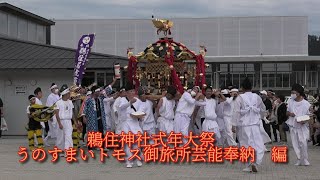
[[225, 91], [97, 90], [234, 90], [54, 86], [65, 91]]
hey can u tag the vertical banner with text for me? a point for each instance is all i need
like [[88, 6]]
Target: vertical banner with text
[[82, 53]]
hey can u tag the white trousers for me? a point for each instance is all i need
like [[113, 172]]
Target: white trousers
[[119, 127], [64, 135], [212, 126], [109, 122], [128, 152], [228, 134], [165, 125], [299, 138], [265, 136], [53, 126], [197, 127], [251, 136], [181, 125]]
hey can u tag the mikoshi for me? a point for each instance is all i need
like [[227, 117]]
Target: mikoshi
[[163, 63]]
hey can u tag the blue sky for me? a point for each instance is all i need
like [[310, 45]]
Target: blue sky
[[107, 9]]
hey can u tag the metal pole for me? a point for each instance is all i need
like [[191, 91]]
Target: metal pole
[[260, 71], [305, 74]]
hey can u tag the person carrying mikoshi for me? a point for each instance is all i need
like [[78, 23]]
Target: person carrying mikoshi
[[130, 123], [165, 111], [64, 115], [34, 127], [210, 123], [185, 108]]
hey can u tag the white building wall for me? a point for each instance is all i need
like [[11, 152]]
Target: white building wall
[[15, 104], [223, 36]]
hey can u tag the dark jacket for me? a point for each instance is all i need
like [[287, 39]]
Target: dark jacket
[[282, 113]]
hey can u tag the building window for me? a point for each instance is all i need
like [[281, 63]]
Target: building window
[[224, 67], [237, 67], [286, 80], [268, 67], [284, 67], [279, 80]]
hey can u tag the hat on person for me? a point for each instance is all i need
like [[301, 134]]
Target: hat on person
[[263, 92], [53, 86], [234, 90], [64, 89]]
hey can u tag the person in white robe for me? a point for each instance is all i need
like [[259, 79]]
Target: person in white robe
[[109, 98], [129, 105], [210, 122], [115, 108], [165, 111], [198, 118], [299, 131], [220, 115], [247, 112], [146, 105], [185, 108], [228, 106], [64, 114], [51, 100], [108, 101]]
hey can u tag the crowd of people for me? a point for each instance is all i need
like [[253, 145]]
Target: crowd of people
[[238, 117]]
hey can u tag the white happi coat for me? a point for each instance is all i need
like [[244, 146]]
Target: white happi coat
[[108, 111], [148, 123], [299, 132], [220, 114], [52, 98], [64, 135], [183, 114], [228, 110], [198, 126], [166, 112], [128, 123], [115, 109], [210, 123], [247, 113]]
